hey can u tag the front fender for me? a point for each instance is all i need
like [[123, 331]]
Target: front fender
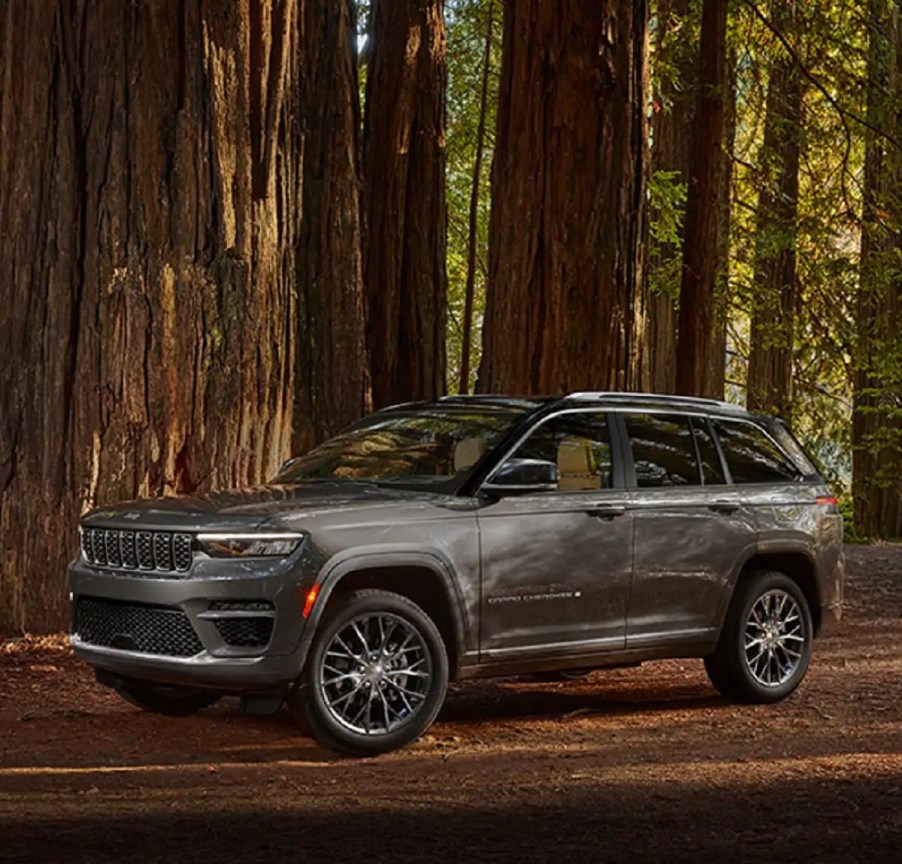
[[353, 561]]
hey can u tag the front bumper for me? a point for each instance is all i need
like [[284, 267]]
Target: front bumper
[[272, 590]]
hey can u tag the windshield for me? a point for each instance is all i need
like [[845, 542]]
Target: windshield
[[434, 446]]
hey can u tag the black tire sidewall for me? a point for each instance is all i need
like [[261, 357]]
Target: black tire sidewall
[[329, 731]]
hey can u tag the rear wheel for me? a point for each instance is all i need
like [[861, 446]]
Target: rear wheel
[[164, 699], [376, 675], [766, 642]]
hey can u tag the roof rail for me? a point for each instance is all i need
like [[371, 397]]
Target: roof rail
[[650, 397]]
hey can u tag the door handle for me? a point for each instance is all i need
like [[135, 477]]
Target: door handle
[[725, 507], [606, 511]]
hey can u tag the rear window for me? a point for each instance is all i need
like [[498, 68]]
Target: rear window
[[663, 451], [751, 455]]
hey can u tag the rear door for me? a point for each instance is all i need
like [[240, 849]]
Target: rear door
[[691, 526], [556, 565]]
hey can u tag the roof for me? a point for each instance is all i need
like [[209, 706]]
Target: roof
[[529, 403]]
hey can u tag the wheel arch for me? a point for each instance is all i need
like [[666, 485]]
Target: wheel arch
[[423, 578], [796, 563]]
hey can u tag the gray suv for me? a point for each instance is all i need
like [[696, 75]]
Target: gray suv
[[469, 537]]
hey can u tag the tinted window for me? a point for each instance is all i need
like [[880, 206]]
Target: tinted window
[[663, 452], [712, 470], [751, 456], [578, 444], [433, 445]]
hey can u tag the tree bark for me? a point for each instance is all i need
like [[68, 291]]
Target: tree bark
[[404, 185], [150, 211], [702, 271], [774, 301], [715, 379], [568, 187], [676, 47], [331, 369], [877, 405], [473, 226]]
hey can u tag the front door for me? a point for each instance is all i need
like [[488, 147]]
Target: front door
[[556, 565]]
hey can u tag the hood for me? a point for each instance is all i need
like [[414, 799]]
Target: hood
[[238, 509]]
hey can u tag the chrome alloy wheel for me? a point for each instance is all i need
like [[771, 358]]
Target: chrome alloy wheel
[[375, 673], [774, 638]]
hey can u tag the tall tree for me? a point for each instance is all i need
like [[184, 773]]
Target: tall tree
[[673, 100], [877, 416], [776, 281], [331, 363], [568, 189], [150, 208], [473, 215], [404, 183], [698, 339]]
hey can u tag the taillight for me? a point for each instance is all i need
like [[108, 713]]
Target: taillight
[[828, 501]]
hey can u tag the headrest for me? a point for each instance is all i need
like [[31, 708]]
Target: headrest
[[467, 452]]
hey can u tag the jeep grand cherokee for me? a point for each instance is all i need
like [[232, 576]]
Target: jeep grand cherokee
[[470, 537]]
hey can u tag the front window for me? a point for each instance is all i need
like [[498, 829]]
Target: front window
[[579, 444], [435, 446]]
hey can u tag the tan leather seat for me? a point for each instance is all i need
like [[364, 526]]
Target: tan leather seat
[[467, 452], [576, 466]]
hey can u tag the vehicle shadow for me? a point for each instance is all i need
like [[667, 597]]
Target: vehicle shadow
[[523, 699]]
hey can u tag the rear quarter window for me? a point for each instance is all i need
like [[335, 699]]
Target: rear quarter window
[[751, 455]]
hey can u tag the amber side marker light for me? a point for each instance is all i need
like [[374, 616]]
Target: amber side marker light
[[309, 600]]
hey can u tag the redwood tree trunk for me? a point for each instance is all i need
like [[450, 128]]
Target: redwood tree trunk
[[676, 53], [774, 300], [877, 415], [565, 249], [698, 342], [404, 175], [150, 204], [331, 364]]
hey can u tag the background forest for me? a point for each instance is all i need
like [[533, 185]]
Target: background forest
[[227, 229]]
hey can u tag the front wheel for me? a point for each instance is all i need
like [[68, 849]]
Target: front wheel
[[163, 699], [376, 675], [766, 642]]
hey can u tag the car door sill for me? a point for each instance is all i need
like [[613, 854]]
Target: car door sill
[[551, 649]]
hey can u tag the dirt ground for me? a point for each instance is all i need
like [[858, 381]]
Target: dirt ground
[[635, 765]]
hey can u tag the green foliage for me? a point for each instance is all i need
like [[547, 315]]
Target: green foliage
[[667, 198], [467, 24]]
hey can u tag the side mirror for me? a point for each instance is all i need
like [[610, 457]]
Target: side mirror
[[519, 476], [287, 464]]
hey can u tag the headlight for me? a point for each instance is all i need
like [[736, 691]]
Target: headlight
[[249, 545]]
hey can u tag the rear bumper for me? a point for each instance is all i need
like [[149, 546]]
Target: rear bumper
[[129, 644]]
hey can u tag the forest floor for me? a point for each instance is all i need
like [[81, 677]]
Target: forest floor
[[635, 765]]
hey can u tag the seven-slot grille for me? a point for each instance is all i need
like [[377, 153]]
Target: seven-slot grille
[[162, 551], [136, 627]]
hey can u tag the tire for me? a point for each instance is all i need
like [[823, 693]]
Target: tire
[[376, 675], [765, 645], [164, 699]]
